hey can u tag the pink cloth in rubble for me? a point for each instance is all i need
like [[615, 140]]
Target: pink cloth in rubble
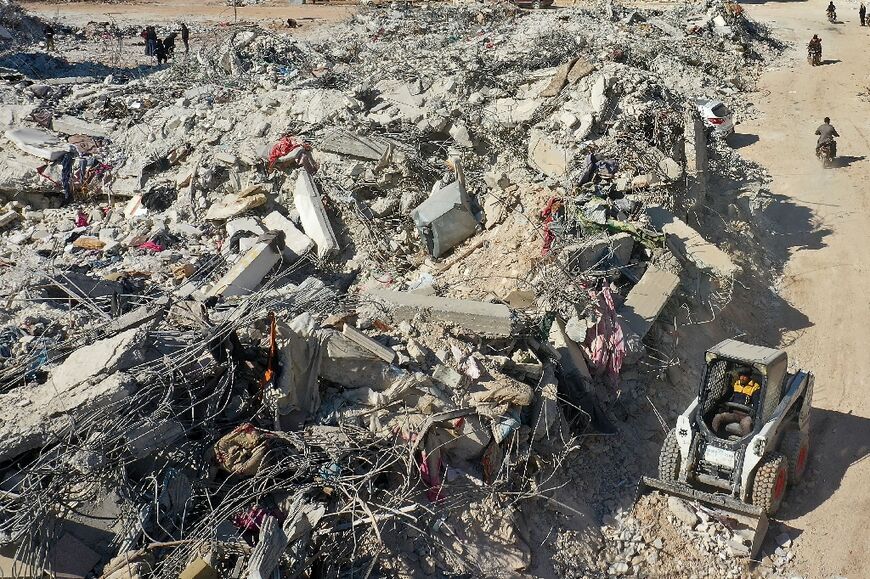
[[607, 344]]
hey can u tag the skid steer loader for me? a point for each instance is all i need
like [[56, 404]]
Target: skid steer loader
[[743, 477]]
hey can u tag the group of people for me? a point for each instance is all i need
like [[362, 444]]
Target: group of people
[[163, 49]]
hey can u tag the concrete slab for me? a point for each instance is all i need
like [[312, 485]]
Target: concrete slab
[[479, 317], [546, 156], [689, 245], [32, 417], [38, 143], [294, 240], [344, 142], [646, 300], [246, 275], [74, 126], [70, 558], [313, 215], [510, 111]]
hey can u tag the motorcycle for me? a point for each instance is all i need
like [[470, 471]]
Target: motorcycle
[[832, 16], [814, 55], [825, 152]]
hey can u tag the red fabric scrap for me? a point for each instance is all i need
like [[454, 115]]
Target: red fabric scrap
[[547, 213], [155, 247], [81, 219], [283, 147]]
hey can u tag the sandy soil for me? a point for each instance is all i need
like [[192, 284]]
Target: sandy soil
[[141, 12], [825, 219]]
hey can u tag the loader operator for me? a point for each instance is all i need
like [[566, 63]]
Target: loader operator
[[744, 389]]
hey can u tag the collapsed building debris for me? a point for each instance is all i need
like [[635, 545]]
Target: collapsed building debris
[[331, 305]]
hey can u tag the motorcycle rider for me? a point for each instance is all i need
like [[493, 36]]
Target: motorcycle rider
[[832, 11], [815, 47], [826, 133]]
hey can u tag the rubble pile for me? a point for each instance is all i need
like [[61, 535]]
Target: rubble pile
[[343, 305], [17, 26]]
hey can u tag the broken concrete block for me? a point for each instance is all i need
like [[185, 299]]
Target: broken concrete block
[[231, 205], [623, 246], [199, 569], [74, 126], [682, 511], [689, 245], [89, 243], [559, 79], [581, 69], [598, 98], [313, 215], [670, 169], [460, 134], [384, 206], [478, 317], [248, 224], [510, 111], [31, 417], [245, 276], [294, 240], [388, 355], [349, 364], [225, 158], [445, 220], [646, 300], [586, 255], [571, 358], [8, 217], [546, 413], [546, 156], [342, 142]]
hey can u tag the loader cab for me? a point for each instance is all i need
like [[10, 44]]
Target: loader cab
[[767, 367]]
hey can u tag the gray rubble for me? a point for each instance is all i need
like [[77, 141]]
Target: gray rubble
[[322, 305]]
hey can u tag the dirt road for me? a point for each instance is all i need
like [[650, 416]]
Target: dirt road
[[162, 12], [826, 278]]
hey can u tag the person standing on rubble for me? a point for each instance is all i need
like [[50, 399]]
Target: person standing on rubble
[[160, 52], [48, 31], [862, 13], [169, 44], [185, 36], [150, 36]]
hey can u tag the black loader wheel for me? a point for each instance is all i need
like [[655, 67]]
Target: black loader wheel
[[795, 446], [771, 478], [669, 459]]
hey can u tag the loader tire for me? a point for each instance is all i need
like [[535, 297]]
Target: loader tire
[[768, 486], [669, 459], [795, 446]]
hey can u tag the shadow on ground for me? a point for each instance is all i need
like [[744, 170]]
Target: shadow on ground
[[846, 160], [849, 435], [45, 66], [740, 140]]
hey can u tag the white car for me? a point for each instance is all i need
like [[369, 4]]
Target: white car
[[716, 115]]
